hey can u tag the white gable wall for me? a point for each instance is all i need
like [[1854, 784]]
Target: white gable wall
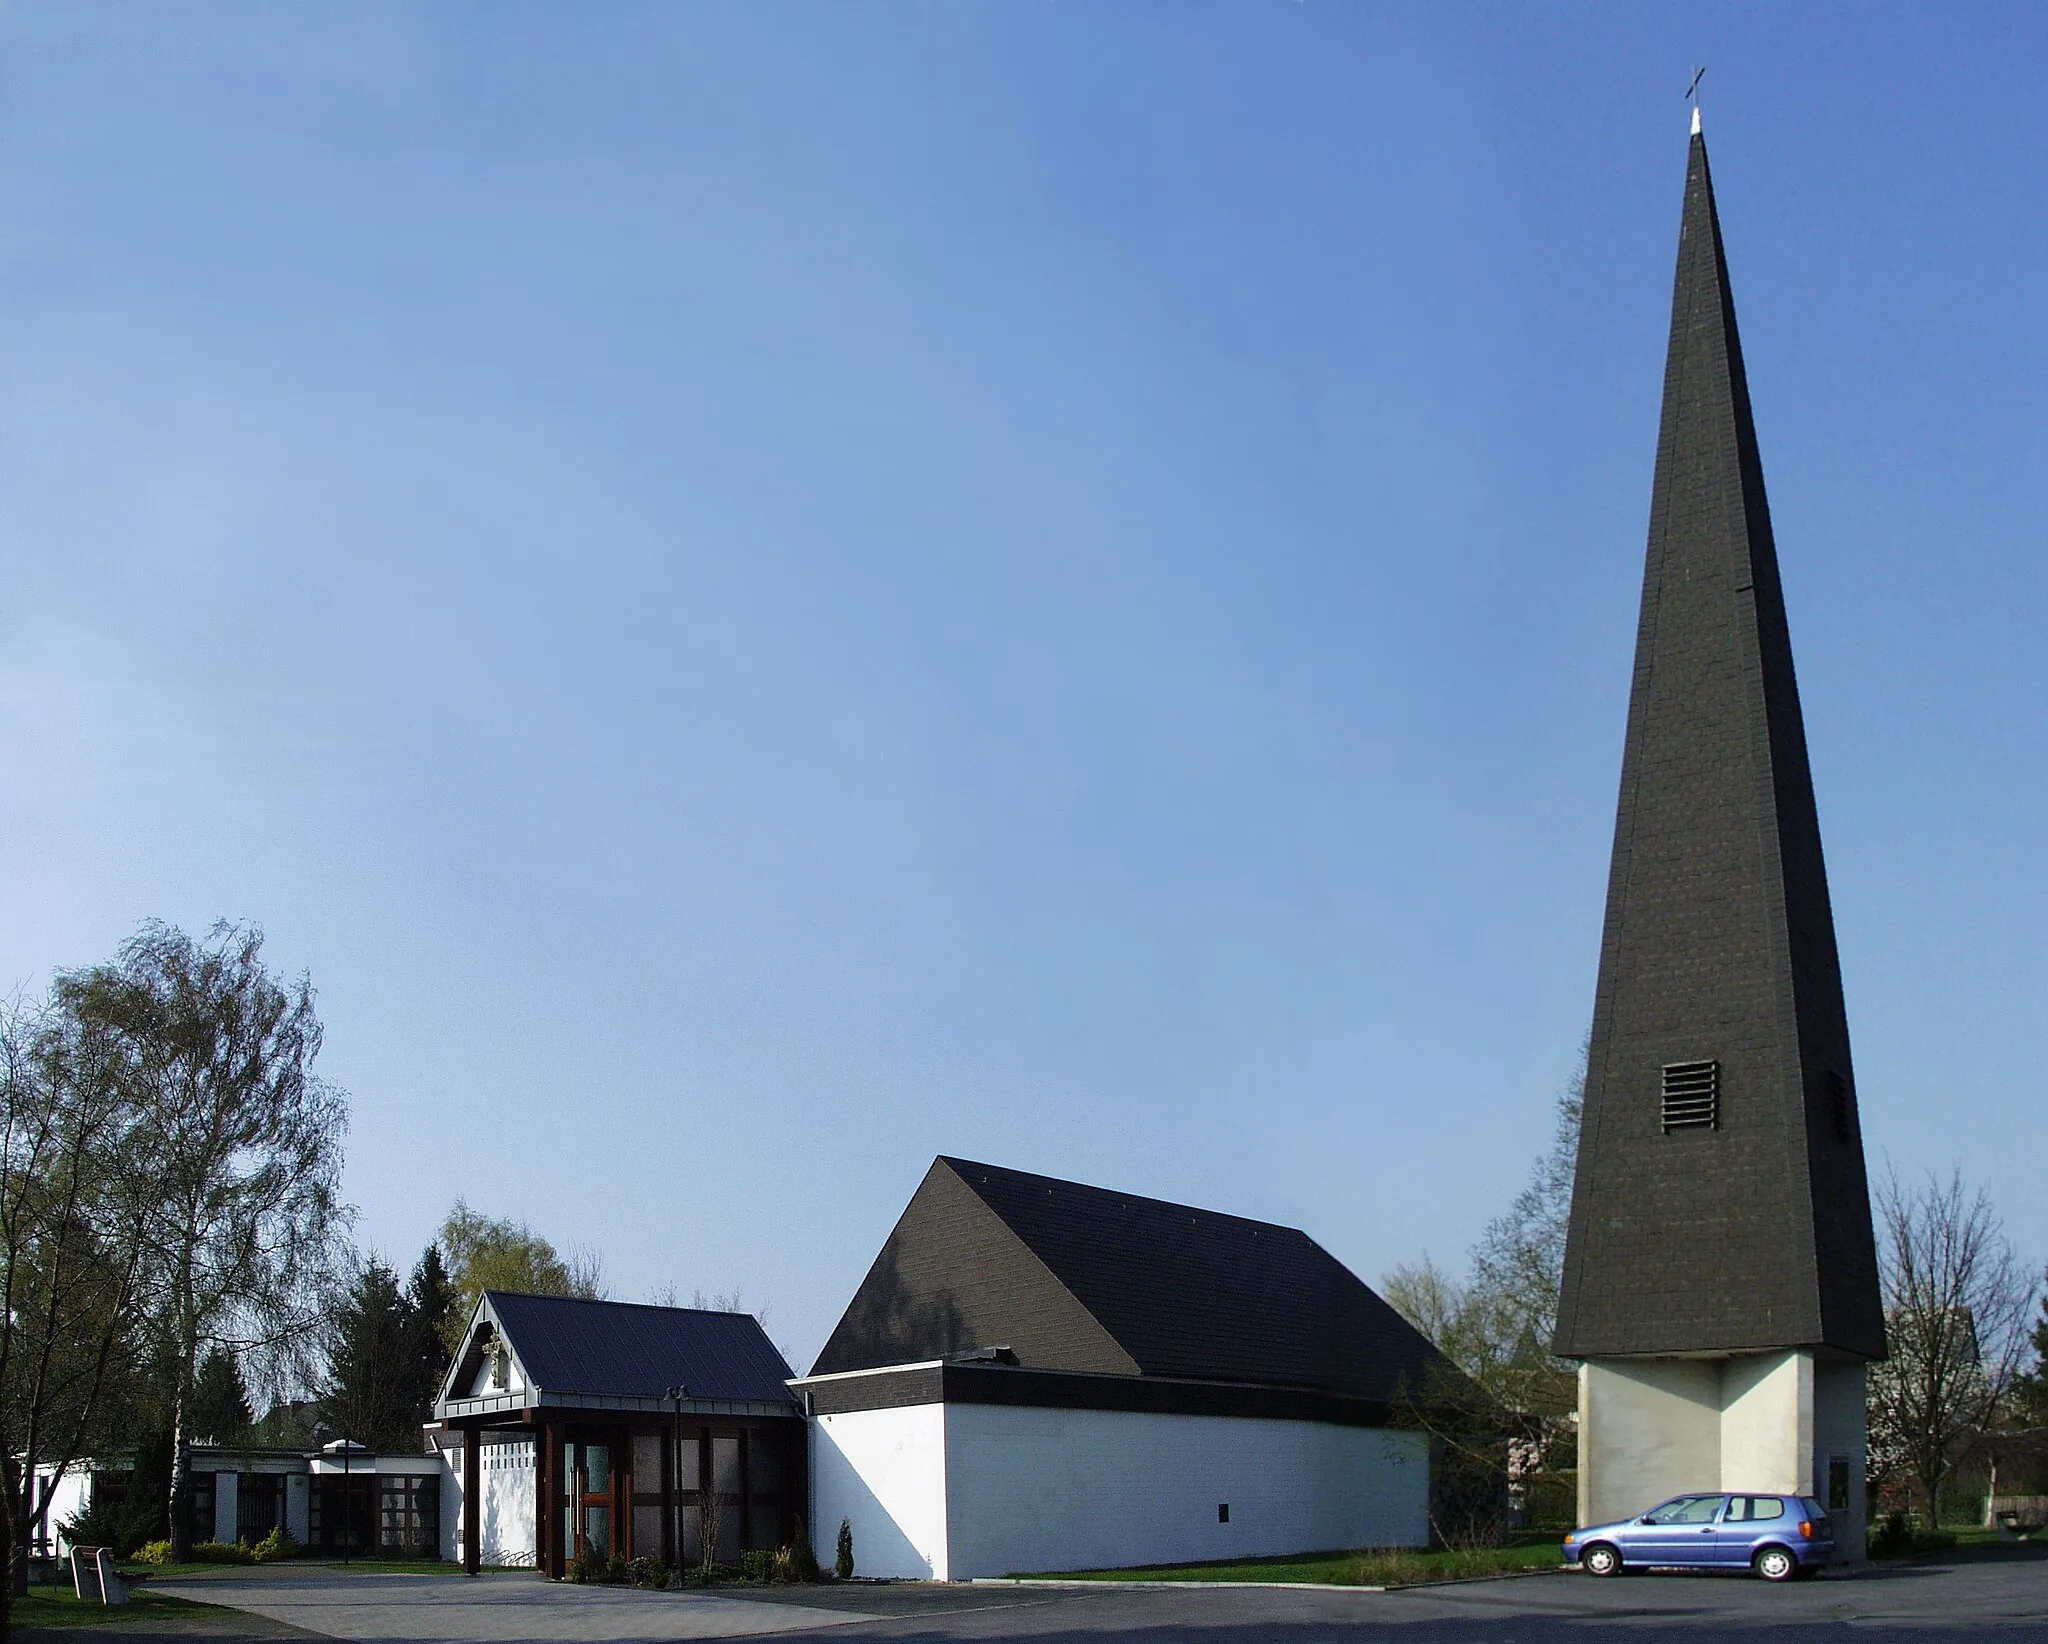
[[958, 1491]]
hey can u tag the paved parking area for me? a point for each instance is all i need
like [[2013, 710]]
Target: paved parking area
[[2005, 1598]]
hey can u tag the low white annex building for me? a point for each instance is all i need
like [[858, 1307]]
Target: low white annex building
[[1037, 1376], [340, 1498]]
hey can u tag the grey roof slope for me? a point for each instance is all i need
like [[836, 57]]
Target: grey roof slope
[[1086, 1279], [624, 1350], [1719, 940]]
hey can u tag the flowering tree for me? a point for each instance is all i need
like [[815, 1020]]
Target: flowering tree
[[1957, 1301]]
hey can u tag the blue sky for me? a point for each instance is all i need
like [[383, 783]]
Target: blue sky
[[763, 592]]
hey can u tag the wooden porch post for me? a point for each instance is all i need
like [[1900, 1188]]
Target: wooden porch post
[[746, 1488], [472, 1499], [671, 1549], [622, 1494], [546, 1466], [796, 1495]]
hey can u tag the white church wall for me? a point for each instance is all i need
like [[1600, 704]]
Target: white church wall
[[1841, 1434], [1653, 1428], [1043, 1489], [1767, 1423], [884, 1472], [1648, 1429], [507, 1511]]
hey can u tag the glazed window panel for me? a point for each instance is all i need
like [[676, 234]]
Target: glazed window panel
[[725, 1464], [409, 1514]]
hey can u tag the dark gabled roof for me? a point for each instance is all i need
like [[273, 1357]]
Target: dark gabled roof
[[608, 1349], [1086, 1279], [1749, 1231]]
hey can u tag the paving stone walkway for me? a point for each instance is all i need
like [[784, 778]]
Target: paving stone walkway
[[516, 1608]]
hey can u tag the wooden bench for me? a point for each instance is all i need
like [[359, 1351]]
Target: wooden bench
[[94, 1575], [2016, 1516]]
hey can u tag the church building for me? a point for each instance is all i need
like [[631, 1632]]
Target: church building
[[1037, 1375]]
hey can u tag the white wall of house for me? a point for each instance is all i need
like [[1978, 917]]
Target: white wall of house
[[67, 1500], [959, 1491], [298, 1507], [884, 1472], [227, 1501]]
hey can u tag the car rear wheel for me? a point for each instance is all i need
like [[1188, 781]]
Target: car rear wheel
[[1600, 1560], [1776, 1564]]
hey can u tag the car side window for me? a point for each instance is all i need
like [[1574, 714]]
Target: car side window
[[1754, 1509], [1686, 1510]]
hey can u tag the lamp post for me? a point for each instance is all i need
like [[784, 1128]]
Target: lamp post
[[676, 1395]]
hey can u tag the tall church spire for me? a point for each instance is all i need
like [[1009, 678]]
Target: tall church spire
[[1720, 1204]]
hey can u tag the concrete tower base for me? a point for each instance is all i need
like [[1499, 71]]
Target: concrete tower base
[[1652, 1428]]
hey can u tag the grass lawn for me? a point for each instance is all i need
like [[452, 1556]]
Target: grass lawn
[[1978, 1543], [60, 1607], [1382, 1567]]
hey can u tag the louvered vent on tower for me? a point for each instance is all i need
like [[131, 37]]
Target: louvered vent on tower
[[1838, 1105], [1692, 1096]]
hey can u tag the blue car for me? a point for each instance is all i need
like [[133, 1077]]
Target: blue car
[[1777, 1536]]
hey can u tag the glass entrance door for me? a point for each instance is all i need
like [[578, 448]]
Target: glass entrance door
[[587, 1518]]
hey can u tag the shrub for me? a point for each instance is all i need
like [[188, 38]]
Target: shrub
[[842, 1557], [649, 1571], [221, 1552], [278, 1544], [588, 1565], [757, 1564], [803, 1558], [1899, 1537], [117, 1514], [153, 1552], [617, 1570]]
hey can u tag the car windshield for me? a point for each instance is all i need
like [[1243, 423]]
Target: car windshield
[[1685, 1510]]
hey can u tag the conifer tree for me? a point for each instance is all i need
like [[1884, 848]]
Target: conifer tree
[[220, 1402], [370, 1360], [429, 1301]]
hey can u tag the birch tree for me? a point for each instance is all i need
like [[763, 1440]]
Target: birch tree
[[68, 1261], [237, 1239]]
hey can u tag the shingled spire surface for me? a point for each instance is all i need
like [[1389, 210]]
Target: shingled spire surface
[[1720, 1204]]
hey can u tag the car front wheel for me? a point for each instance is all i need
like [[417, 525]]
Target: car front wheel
[[1776, 1564], [1600, 1560]]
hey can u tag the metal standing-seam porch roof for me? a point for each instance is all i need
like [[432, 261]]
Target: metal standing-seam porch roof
[[607, 1355]]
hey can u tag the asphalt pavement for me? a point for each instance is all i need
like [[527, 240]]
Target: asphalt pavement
[[1977, 1597]]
